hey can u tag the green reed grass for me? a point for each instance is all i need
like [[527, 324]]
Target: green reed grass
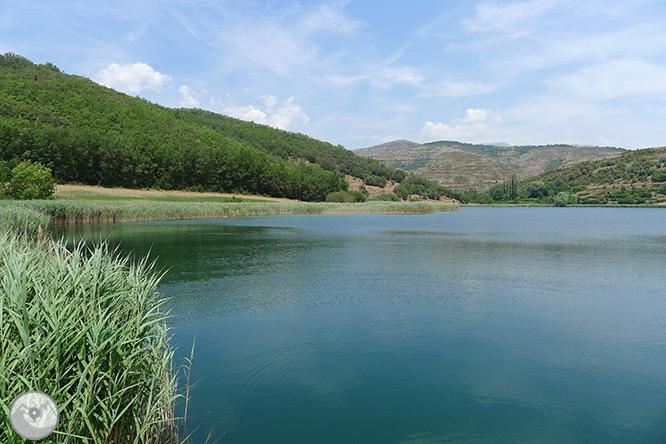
[[22, 220], [86, 327], [82, 211]]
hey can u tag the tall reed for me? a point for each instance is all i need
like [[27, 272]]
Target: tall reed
[[82, 211], [86, 327], [21, 220]]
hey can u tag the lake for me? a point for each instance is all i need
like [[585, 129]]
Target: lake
[[487, 325]]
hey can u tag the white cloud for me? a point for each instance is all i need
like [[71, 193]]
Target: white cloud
[[473, 115], [248, 112], [287, 114], [132, 78], [283, 115], [471, 128], [190, 98], [269, 101]]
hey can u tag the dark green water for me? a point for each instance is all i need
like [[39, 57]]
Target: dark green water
[[488, 325]]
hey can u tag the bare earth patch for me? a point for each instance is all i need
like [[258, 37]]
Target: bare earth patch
[[355, 185], [65, 191]]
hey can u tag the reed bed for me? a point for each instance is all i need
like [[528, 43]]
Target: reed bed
[[24, 221], [86, 327], [82, 211]]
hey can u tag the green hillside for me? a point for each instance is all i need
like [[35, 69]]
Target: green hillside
[[90, 134], [633, 177]]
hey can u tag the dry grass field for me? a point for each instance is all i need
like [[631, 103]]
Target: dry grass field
[[101, 193]]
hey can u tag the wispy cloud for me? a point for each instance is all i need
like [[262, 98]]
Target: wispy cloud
[[284, 41], [328, 18], [449, 88], [618, 78], [513, 18]]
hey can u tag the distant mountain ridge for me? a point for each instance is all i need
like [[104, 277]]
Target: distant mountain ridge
[[464, 166]]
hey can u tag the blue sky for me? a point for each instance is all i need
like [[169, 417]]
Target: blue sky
[[359, 72]]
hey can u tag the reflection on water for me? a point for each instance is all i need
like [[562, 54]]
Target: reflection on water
[[484, 325]]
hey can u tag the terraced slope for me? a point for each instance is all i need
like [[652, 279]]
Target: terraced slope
[[463, 166]]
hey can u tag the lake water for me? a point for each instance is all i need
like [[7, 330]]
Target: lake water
[[487, 325]]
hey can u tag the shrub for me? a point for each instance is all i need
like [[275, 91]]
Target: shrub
[[339, 196], [376, 181], [537, 189], [31, 181], [562, 199], [358, 196], [387, 198]]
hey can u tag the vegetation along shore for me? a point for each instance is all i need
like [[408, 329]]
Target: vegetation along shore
[[86, 327], [27, 215]]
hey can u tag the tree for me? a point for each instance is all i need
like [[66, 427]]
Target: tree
[[376, 181], [339, 196], [511, 187], [562, 199], [537, 189], [31, 181], [497, 193]]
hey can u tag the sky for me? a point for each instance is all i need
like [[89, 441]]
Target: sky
[[359, 73]]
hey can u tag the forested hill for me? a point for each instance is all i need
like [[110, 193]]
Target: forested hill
[[87, 133], [633, 177]]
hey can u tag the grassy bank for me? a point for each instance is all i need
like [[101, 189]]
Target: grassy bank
[[82, 211], [87, 328]]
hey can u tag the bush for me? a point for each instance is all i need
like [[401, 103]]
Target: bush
[[340, 196], [5, 173], [376, 181], [562, 199], [358, 196], [387, 198], [346, 196], [537, 189], [31, 181]]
